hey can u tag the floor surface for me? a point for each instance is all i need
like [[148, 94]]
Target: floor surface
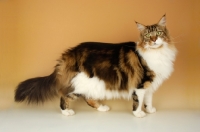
[[48, 118]]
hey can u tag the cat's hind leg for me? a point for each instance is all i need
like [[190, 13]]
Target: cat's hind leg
[[138, 97], [95, 104], [64, 104]]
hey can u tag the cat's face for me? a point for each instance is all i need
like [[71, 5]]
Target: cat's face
[[153, 36]]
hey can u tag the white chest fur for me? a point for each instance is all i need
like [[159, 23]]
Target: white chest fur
[[161, 62]]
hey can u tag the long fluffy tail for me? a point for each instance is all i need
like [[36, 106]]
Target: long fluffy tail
[[37, 90]]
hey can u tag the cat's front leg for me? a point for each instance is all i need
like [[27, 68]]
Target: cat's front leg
[[148, 102], [138, 97]]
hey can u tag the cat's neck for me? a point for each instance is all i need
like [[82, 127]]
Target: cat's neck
[[161, 59]]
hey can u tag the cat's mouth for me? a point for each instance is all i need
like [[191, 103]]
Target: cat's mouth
[[155, 45]]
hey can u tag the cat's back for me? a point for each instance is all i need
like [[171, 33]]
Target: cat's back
[[101, 46]]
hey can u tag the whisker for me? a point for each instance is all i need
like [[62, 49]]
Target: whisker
[[178, 39], [181, 35]]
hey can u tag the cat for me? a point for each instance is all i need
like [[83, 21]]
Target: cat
[[96, 71]]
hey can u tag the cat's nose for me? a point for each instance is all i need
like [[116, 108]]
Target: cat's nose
[[153, 39]]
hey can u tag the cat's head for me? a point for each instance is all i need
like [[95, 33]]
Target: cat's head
[[153, 36]]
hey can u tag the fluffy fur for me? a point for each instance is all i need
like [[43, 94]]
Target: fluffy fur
[[97, 71]]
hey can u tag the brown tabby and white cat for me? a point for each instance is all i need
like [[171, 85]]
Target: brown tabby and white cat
[[97, 71]]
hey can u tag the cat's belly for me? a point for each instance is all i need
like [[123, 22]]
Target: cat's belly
[[96, 89]]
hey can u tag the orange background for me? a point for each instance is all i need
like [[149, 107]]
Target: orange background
[[34, 33]]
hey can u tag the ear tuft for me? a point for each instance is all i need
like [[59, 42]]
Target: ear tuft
[[162, 21], [141, 27]]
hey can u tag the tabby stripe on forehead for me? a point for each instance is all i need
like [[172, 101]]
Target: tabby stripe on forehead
[[152, 28], [148, 29]]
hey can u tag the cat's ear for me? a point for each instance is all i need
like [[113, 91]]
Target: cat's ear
[[141, 27], [162, 21]]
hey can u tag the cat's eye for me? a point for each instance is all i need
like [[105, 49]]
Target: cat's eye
[[148, 35], [159, 33]]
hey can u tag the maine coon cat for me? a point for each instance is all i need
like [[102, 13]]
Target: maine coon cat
[[96, 71]]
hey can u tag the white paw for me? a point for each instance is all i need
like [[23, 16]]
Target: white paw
[[103, 108], [68, 112], [151, 110], [139, 114]]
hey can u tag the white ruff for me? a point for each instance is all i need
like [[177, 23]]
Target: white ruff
[[95, 88], [161, 62]]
